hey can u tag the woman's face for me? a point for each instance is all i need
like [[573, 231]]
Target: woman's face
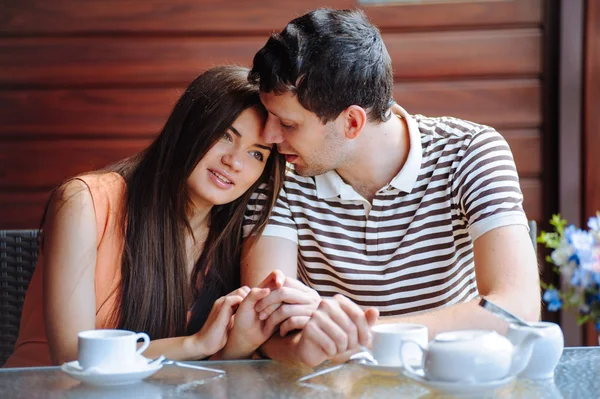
[[233, 164]]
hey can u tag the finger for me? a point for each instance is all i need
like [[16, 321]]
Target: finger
[[284, 312], [255, 295], [293, 323], [326, 323], [346, 323], [357, 315], [274, 280], [372, 314], [287, 295], [295, 283], [230, 303], [319, 338], [242, 291], [268, 311]]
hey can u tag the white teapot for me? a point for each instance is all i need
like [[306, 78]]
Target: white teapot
[[473, 356]]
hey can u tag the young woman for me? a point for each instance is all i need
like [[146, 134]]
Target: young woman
[[152, 244]]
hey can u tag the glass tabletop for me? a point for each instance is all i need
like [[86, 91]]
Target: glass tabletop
[[576, 376]]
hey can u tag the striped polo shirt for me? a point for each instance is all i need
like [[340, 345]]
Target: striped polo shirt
[[411, 249]]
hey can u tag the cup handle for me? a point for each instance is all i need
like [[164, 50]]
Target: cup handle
[[405, 363], [146, 343]]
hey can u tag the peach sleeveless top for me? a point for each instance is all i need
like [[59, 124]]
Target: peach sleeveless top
[[31, 348]]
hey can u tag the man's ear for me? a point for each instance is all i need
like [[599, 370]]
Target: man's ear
[[355, 119]]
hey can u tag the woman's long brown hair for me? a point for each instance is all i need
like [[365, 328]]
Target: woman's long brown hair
[[155, 293]]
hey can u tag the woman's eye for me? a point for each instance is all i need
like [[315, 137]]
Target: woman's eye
[[258, 155], [227, 137]]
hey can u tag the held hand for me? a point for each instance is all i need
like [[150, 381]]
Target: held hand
[[248, 331], [289, 306], [337, 327], [213, 335]]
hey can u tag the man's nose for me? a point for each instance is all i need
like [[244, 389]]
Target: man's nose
[[233, 160], [272, 133]]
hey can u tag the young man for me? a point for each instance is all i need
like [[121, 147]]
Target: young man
[[409, 217]]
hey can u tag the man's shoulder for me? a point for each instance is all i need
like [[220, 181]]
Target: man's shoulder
[[449, 127]]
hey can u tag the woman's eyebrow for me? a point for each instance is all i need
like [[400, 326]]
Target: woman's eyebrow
[[235, 131], [263, 146]]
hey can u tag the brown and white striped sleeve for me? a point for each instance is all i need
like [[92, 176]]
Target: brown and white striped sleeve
[[487, 184], [280, 224]]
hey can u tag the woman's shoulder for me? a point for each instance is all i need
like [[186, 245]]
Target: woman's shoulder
[[102, 191], [101, 181]]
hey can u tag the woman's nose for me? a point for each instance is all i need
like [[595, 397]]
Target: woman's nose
[[233, 161]]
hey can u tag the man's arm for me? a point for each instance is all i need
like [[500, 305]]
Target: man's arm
[[261, 256], [506, 272]]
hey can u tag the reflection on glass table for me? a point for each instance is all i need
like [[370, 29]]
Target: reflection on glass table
[[576, 376]]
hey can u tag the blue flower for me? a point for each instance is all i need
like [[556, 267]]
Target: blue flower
[[582, 278], [581, 240], [569, 232], [552, 298]]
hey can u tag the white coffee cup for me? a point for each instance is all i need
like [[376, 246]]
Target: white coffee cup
[[388, 338], [110, 350]]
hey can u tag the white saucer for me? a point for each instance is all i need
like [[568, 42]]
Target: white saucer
[[111, 378], [457, 388]]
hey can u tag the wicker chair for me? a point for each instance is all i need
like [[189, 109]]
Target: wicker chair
[[18, 256]]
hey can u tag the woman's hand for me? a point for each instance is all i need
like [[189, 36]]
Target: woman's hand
[[212, 337], [249, 331]]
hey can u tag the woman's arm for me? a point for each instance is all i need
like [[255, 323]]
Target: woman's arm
[[70, 249], [69, 267]]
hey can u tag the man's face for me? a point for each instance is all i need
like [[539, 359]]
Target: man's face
[[313, 147]]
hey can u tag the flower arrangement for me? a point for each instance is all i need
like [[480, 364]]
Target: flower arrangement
[[576, 256]]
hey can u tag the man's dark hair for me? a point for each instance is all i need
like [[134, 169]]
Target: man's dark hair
[[330, 59]]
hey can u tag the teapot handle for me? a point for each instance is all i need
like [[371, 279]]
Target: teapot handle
[[403, 356]]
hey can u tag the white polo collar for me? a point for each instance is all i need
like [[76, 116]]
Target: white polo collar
[[331, 185]]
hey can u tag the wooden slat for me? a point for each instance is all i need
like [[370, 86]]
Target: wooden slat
[[85, 62], [23, 210], [526, 147], [35, 164], [87, 112], [206, 16], [502, 104], [442, 14], [46, 163], [592, 116], [533, 199]]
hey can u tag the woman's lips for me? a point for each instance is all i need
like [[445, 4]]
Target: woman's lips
[[217, 181]]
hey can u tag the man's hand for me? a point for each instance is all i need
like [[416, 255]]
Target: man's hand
[[289, 306], [338, 326]]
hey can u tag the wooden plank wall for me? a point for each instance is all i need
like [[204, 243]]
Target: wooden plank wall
[[591, 137], [85, 83]]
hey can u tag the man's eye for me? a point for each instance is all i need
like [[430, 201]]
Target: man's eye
[[286, 127]]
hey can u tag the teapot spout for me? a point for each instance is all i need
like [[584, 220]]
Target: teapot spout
[[523, 339]]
